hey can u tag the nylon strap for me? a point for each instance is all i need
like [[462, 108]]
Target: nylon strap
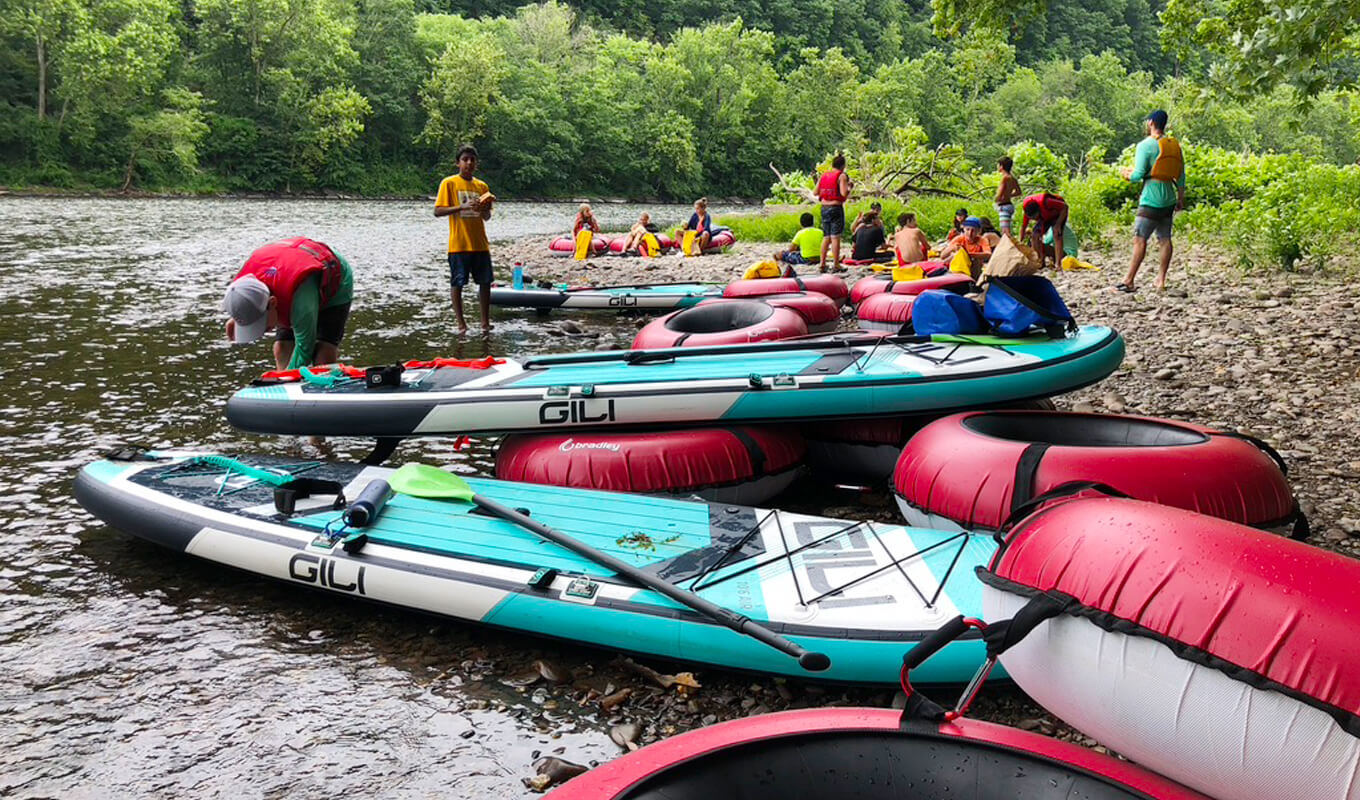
[[1026, 470]]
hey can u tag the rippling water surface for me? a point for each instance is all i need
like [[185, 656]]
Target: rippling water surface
[[126, 670]]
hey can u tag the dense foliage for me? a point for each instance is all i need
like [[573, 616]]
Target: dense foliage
[[674, 99]]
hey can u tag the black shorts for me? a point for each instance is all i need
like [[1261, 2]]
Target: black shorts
[[461, 265], [330, 326], [833, 220]]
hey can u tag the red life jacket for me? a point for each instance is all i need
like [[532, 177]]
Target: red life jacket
[[1051, 207], [284, 265], [829, 187]]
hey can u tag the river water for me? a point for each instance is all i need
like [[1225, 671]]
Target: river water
[[126, 670]]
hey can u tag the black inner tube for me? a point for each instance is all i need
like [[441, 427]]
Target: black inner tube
[[1082, 430], [875, 764], [720, 317]]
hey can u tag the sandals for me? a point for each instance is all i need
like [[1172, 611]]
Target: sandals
[[1125, 288]]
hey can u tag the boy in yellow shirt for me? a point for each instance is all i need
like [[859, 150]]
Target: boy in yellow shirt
[[467, 202]]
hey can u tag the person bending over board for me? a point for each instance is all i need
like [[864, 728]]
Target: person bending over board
[[298, 287], [467, 202]]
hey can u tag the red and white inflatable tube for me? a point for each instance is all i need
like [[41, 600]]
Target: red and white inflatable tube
[[830, 285], [720, 242], [882, 282], [665, 241], [972, 470], [565, 246], [819, 311], [733, 322], [885, 312], [1218, 655], [865, 752], [745, 464]]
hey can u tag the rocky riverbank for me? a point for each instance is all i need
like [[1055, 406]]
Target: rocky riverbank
[[1270, 354]]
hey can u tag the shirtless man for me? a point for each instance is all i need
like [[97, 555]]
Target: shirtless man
[[909, 242]]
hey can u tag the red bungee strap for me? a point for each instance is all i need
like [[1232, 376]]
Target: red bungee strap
[[435, 363]]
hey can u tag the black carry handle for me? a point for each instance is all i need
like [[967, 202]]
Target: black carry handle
[[1056, 493], [934, 640], [920, 707]]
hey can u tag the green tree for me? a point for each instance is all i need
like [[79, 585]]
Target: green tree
[[43, 25], [167, 139]]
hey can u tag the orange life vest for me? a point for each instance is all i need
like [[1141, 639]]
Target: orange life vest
[[1170, 163]]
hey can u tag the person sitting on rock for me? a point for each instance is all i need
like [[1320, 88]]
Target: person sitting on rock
[[806, 247], [972, 243], [909, 243], [868, 238]]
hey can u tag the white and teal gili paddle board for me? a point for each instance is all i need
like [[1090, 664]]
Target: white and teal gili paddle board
[[770, 381], [862, 593]]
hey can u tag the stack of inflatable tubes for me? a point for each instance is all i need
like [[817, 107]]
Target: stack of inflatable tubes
[[865, 752], [1218, 655], [882, 282], [744, 464], [885, 312], [731, 322], [665, 241], [565, 245], [866, 449], [972, 470], [830, 285]]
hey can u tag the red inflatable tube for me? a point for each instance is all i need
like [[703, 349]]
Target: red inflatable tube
[[866, 752], [565, 245], [666, 242], [709, 324], [830, 285], [865, 288], [885, 312], [1218, 655], [971, 470], [744, 464], [819, 311]]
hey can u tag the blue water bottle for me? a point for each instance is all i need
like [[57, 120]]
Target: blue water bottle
[[519, 275]]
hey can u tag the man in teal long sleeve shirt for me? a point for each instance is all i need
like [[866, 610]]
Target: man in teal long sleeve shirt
[[1160, 165]]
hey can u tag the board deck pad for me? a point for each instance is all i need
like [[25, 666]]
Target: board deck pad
[[861, 592], [836, 377]]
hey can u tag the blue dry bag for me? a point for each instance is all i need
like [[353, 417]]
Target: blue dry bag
[[1016, 304], [940, 311]]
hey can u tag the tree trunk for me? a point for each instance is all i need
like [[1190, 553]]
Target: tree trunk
[[131, 165], [42, 80]]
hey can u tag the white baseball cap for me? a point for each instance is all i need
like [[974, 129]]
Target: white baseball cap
[[247, 302]]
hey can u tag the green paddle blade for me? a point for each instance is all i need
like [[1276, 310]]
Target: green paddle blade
[[423, 480]]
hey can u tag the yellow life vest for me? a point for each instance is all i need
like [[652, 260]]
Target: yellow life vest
[[911, 272], [1170, 163], [763, 269]]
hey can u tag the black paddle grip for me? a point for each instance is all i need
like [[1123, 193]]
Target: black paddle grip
[[935, 640]]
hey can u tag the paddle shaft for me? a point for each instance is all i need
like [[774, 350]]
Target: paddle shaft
[[796, 343], [813, 662]]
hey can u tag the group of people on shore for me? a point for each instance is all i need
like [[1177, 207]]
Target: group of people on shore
[[302, 289], [1158, 164]]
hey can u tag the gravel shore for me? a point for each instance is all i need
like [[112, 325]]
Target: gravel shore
[[1269, 354]]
